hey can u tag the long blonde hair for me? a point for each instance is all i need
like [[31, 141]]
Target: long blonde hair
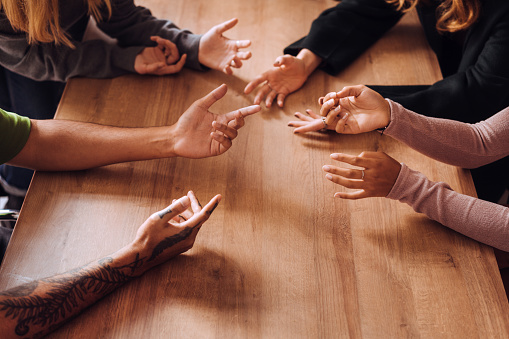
[[453, 15], [40, 18]]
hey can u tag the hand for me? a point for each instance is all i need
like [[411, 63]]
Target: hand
[[311, 122], [173, 230], [220, 53], [375, 180], [159, 60], [199, 133], [288, 75], [353, 110]]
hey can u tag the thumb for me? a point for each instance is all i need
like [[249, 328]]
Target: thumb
[[223, 27], [285, 60], [177, 207], [213, 96]]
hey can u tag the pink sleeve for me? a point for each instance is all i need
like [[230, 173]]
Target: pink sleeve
[[478, 219], [449, 141]]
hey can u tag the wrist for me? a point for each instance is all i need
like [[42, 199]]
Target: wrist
[[131, 257], [311, 60], [168, 144], [387, 117]]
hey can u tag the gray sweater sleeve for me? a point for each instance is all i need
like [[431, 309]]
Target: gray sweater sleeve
[[94, 59], [134, 25], [131, 25]]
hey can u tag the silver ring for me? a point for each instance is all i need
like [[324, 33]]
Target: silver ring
[[237, 43], [362, 177], [324, 123]]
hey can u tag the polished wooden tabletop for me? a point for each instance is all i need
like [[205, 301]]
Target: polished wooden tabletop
[[280, 257]]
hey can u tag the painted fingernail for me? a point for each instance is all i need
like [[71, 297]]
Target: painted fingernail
[[328, 176], [326, 168]]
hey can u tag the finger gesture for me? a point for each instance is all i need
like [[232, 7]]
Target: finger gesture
[[159, 60], [173, 230], [287, 75], [375, 176], [353, 110], [220, 53], [200, 133]]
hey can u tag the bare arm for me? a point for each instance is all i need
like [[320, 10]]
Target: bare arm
[[37, 308], [68, 145]]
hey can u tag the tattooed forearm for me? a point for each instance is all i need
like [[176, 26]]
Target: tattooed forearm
[[64, 295]]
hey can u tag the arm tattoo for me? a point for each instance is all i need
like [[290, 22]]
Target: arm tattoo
[[170, 241], [65, 295]]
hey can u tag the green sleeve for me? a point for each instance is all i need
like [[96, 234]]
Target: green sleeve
[[14, 132]]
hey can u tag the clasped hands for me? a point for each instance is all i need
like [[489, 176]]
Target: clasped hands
[[215, 51]]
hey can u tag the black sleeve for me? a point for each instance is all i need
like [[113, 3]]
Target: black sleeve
[[342, 33], [478, 90]]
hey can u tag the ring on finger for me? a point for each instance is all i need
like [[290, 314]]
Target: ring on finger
[[324, 124], [362, 174]]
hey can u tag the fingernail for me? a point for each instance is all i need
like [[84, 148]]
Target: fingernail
[[345, 116], [326, 168], [337, 109], [330, 102], [334, 156], [329, 176]]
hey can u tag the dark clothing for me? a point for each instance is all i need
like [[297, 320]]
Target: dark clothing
[[474, 64]]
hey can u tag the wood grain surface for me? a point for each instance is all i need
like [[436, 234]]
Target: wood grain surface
[[280, 257]]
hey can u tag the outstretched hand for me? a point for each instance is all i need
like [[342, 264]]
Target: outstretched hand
[[353, 110], [159, 60], [200, 133], [376, 177], [220, 53], [173, 230], [287, 75]]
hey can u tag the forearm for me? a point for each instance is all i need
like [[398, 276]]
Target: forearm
[[69, 145], [478, 219], [36, 308], [449, 141]]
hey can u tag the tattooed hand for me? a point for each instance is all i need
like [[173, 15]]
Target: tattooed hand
[[200, 133], [37, 308], [173, 230]]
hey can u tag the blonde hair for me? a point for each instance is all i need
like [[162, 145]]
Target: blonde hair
[[453, 15], [40, 18]]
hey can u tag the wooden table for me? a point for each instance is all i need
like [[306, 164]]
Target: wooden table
[[280, 257]]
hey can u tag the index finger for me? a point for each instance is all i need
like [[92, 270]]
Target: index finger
[[176, 207], [245, 111], [351, 159], [175, 68], [254, 83], [313, 126]]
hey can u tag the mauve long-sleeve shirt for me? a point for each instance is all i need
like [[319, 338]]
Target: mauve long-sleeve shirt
[[459, 144]]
